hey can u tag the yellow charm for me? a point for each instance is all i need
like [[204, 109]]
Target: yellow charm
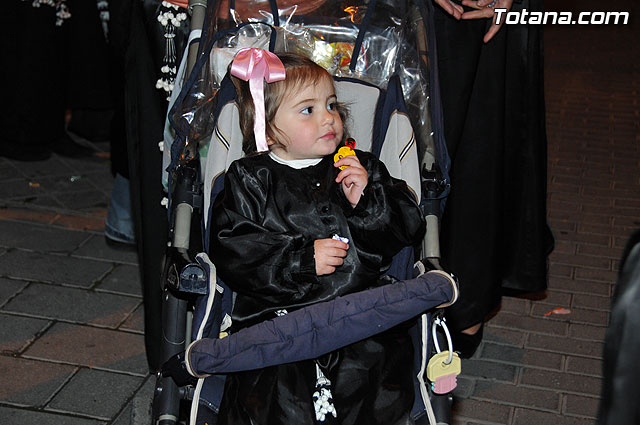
[[342, 152], [437, 366]]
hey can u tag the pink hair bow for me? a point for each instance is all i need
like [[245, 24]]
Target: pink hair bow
[[254, 65]]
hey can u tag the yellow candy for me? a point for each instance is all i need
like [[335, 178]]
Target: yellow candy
[[342, 152]]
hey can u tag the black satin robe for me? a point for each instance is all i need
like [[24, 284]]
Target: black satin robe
[[494, 236], [263, 228], [138, 44]]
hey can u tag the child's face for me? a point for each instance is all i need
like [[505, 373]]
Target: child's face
[[309, 123]]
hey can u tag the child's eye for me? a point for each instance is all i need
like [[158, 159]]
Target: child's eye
[[308, 110], [332, 106]]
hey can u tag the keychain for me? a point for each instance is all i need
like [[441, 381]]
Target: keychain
[[346, 150], [443, 375], [444, 367]]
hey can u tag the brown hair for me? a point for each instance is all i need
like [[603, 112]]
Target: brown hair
[[300, 71]]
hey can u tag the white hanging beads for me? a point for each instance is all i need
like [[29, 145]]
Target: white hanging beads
[[62, 11], [103, 13], [170, 17], [322, 398]]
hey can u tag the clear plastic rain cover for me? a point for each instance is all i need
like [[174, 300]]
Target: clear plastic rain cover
[[393, 41]]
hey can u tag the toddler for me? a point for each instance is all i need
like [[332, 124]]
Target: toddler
[[293, 227]]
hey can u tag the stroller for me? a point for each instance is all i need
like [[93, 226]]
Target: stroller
[[382, 62]]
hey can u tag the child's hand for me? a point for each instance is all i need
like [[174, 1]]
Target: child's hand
[[329, 254], [354, 178]]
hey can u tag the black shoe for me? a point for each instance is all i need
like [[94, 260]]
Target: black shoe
[[120, 245], [65, 146], [466, 344]]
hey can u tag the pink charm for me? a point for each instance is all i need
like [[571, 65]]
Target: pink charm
[[442, 370], [254, 65], [444, 384]]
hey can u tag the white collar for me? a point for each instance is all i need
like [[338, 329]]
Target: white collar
[[295, 163]]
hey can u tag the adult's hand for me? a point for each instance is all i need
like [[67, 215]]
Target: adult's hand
[[453, 9], [485, 9]]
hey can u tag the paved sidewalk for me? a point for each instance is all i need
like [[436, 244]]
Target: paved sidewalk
[[71, 336], [71, 333]]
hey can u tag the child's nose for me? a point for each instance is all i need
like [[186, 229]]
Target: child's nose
[[328, 117]]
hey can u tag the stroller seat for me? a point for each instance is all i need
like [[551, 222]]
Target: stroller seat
[[379, 121]]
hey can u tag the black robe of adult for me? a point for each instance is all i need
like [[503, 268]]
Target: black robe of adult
[[46, 70], [620, 369], [263, 230], [494, 231], [138, 42]]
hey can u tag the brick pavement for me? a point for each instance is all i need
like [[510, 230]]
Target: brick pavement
[[71, 334], [71, 345]]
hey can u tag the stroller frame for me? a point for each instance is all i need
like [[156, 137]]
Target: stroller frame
[[184, 277]]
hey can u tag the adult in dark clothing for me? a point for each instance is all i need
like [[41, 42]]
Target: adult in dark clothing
[[33, 75], [494, 231], [48, 70], [138, 42], [621, 373]]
